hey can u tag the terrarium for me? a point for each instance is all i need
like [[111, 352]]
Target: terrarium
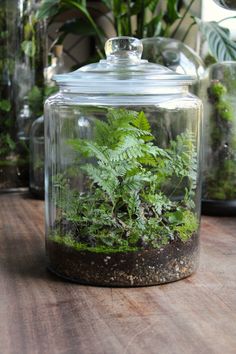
[[37, 158], [122, 143], [219, 174]]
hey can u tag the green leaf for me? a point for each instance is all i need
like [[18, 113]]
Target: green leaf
[[48, 9], [175, 217], [28, 48], [36, 101], [221, 47], [172, 13], [153, 27], [5, 105], [153, 5], [141, 122]]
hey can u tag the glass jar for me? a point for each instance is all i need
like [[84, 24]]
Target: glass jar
[[37, 148], [219, 172], [122, 141], [176, 56], [21, 87], [37, 158], [227, 4]]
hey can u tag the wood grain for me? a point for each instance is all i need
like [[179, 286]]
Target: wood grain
[[39, 313]]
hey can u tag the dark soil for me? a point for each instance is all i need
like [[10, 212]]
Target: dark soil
[[172, 262]]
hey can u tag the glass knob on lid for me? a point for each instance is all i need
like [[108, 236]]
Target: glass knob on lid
[[123, 49]]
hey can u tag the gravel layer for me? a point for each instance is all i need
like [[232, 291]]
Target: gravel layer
[[173, 262]]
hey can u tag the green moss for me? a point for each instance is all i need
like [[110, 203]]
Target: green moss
[[188, 227], [78, 246], [224, 110]]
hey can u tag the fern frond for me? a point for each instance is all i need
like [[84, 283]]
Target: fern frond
[[120, 115], [108, 183], [129, 148], [141, 122], [102, 133]]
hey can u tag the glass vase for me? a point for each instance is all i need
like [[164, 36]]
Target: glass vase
[[123, 185]]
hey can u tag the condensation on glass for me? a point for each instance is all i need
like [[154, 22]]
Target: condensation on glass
[[122, 143], [219, 172]]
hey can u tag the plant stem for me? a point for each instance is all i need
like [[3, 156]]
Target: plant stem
[[182, 19], [84, 10], [188, 30], [227, 18]]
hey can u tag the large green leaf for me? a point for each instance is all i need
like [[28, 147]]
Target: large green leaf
[[5, 105], [48, 9], [218, 39], [28, 48], [172, 11]]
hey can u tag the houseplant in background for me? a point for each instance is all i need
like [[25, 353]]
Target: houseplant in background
[[142, 19]]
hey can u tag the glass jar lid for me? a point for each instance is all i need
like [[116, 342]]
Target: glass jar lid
[[123, 72]]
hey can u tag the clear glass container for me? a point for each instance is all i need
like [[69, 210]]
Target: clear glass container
[[227, 4], [219, 172], [21, 87], [176, 56], [122, 141], [37, 158], [37, 147]]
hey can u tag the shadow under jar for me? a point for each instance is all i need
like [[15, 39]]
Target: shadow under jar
[[122, 143], [219, 170]]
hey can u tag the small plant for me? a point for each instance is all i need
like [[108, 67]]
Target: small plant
[[130, 202]]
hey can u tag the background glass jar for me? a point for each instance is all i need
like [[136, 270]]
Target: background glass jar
[[37, 158], [219, 173], [122, 172], [227, 4], [22, 47], [176, 56]]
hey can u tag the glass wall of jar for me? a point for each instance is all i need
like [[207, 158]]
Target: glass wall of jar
[[122, 172], [37, 158], [219, 174], [37, 129], [227, 4]]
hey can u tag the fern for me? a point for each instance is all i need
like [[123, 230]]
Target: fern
[[126, 204]]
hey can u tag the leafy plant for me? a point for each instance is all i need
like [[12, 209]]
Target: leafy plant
[[128, 203], [220, 45], [152, 17]]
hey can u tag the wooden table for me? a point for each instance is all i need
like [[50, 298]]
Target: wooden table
[[39, 313]]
